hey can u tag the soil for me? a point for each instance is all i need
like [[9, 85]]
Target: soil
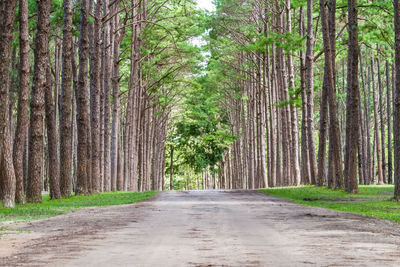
[[204, 228]]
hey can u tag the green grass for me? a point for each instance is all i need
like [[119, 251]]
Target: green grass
[[373, 200], [49, 208]]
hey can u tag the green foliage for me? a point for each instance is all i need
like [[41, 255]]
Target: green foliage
[[168, 54], [181, 181], [179, 184], [289, 42], [49, 208], [201, 135], [372, 200]]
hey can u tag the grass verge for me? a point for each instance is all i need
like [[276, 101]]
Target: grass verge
[[373, 200], [49, 208]]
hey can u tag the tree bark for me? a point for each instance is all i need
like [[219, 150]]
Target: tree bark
[[310, 92], [389, 125], [368, 173], [95, 99], [54, 167], [353, 102], [23, 104], [7, 175], [115, 140], [382, 122], [107, 95], [335, 176], [66, 103], [171, 179], [376, 128], [120, 168], [305, 162], [294, 152], [34, 190], [396, 102], [82, 103], [321, 178]]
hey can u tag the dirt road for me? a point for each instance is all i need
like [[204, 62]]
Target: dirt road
[[205, 228]]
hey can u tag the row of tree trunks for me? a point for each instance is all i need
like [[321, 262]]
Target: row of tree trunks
[[273, 101], [93, 143], [95, 155], [264, 117]]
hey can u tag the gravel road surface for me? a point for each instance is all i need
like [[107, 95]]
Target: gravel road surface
[[204, 228]]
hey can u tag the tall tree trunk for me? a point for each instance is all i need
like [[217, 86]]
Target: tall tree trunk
[[74, 128], [353, 102], [12, 92], [66, 103], [171, 179], [335, 175], [389, 124], [116, 105], [251, 141], [283, 96], [293, 110], [305, 162], [34, 190], [245, 125], [310, 92], [107, 95], [132, 115], [7, 175], [368, 174], [323, 127], [363, 132], [95, 99], [376, 128], [271, 128], [120, 168], [361, 145], [382, 122], [324, 101], [82, 102], [51, 120], [22, 122], [396, 102]]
